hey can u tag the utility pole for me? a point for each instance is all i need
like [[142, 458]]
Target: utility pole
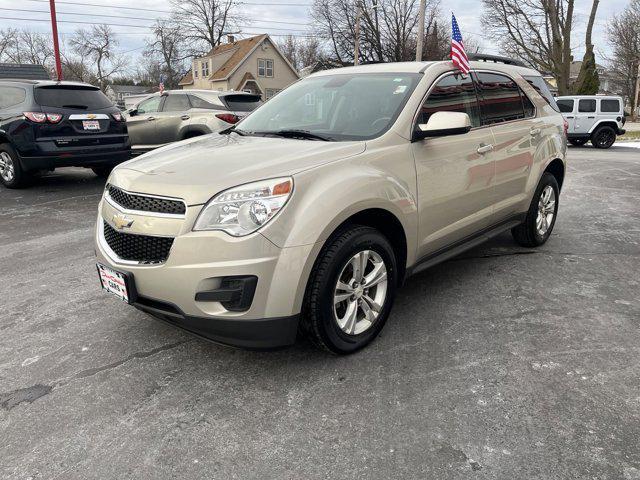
[[421, 13], [56, 46], [356, 47], [636, 107]]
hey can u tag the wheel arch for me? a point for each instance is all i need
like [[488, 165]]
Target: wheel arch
[[556, 168], [604, 123]]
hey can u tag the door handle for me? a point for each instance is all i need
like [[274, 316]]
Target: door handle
[[535, 132], [482, 149], [591, 117], [569, 116], [151, 118], [185, 117]]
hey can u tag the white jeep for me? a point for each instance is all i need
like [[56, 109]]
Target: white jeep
[[593, 117]]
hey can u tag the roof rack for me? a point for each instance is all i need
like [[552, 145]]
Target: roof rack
[[483, 57]]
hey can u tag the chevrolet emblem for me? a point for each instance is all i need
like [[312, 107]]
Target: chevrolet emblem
[[121, 221], [91, 116]]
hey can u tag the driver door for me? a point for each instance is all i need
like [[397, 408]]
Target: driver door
[[455, 174]]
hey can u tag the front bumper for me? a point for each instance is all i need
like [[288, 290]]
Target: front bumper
[[197, 262]]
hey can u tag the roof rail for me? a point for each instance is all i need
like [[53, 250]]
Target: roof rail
[[483, 57]]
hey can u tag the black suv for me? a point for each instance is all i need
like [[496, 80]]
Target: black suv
[[45, 125]]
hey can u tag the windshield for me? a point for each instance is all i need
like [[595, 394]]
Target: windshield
[[338, 107], [79, 97]]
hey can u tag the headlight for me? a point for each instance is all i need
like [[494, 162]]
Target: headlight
[[243, 210]]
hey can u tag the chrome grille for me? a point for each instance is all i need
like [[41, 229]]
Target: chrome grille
[[138, 248], [144, 203]]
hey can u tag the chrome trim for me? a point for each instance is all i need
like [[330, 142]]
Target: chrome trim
[[114, 257], [144, 213], [89, 116]]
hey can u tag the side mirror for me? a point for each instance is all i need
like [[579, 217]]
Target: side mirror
[[133, 112], [441, 124]]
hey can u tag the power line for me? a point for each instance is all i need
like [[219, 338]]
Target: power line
[[86, 4], [135, 18]]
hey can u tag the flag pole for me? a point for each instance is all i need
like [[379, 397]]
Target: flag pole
[[56, 46]]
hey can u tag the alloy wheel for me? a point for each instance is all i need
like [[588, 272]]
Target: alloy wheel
[[546, 210], [7, 170], [606, 138], [360, 292]]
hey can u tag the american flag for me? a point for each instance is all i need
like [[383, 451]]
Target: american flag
[[458, 55]]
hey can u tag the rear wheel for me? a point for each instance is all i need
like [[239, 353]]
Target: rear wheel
[[541, 217], [603, 137], [102, 172], [11, 173], [578, 142], [350, 291]]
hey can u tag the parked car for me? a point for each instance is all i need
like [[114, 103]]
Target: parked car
[[312, 211], [45, 125], [180, 114], [593, 117]]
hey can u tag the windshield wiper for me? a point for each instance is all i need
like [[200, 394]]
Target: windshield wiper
[[234, 129], [294, 133]]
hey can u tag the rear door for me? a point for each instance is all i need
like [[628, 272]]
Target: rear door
[[511, 116], [586, 115], [173, 118], [567, 107], [142, 125]]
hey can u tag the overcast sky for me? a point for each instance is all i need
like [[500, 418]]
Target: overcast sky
[[261, 19]]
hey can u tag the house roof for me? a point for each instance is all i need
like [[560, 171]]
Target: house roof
[[187, 79], [129, 88], [23, 71], [245, 78], [242, 48]]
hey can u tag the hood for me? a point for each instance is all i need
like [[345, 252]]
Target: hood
[[197, 169]]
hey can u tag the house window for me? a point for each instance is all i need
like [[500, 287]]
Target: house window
[[265, 67], [271, 92], [195, 70], [205, 69]]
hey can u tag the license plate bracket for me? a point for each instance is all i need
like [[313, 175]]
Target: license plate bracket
[[117, 283]]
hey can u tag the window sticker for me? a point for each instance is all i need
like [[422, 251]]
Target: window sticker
[[400, 89]]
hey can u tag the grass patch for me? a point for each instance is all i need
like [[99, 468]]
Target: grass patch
[[630, 136]]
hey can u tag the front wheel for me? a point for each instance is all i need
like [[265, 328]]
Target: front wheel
[[541, 217], [603, 137], [351, 290]]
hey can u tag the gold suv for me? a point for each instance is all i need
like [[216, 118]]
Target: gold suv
[[308, 214]]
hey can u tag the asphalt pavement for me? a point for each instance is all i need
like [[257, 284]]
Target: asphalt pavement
[[505, 363]]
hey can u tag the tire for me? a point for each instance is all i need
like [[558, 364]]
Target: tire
[[529, 233], [102, 172], [578, 142], [321, 320], [603, 137], [11, 173]]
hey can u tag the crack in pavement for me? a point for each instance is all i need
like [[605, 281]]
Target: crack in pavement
[[9, 400]]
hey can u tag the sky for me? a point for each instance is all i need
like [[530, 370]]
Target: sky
[[276, 17]]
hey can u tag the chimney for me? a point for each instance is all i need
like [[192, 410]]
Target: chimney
[[231, 39]]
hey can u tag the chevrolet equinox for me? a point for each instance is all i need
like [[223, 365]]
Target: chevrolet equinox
[[308, 214]]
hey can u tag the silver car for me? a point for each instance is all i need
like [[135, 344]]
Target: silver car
[[179, 114]]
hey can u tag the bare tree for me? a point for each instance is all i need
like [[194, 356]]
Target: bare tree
[[99, 44], [301, 52], [167, 52], [387, 29], [205, 22], [7, 41], [623, 33], [536, 31], [24, 46]]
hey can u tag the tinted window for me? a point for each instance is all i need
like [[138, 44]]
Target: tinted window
[[81, 98], [10, 96], [610, 106], [198, 102], [176, 103], [242, 103], [454, 93], [587, 106], [151, 105], [500, 99], [565, 106], [543, 89]]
